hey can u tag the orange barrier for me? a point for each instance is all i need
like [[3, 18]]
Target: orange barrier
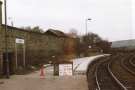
[[42, 73]]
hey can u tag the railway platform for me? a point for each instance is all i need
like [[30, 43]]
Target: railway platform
[[33, 81]]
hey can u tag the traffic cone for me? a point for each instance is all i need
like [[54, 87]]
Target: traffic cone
[[42, 74]]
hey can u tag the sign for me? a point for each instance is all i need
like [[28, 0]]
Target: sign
[[89, 46], [18, 40], [65, 70]]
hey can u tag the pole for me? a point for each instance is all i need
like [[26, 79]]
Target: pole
[[16, 61], [86, 25], [24, 62], [12, 24], [10, 18], [6, 43], [86, 20]]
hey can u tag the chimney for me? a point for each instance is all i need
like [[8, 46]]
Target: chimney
[[0, 12]]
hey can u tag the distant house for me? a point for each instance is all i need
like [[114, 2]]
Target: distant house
[[68, 44], [55, 33]]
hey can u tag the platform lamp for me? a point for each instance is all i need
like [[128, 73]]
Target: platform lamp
[[6, 41], [86, 23]]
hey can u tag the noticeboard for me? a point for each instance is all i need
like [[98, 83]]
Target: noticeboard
[[65, 69], [18, 40]]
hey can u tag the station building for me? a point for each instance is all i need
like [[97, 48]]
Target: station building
[[26, 48]]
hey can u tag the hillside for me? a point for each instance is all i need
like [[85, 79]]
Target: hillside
[[124, 43]]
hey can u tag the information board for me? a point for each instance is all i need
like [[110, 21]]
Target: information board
[[65, 70], [18, 40]]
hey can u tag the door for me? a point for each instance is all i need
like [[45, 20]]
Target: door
[[10, 63]]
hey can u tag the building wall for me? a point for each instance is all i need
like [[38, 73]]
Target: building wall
[[70, 48], [38, 47], [11, 36]]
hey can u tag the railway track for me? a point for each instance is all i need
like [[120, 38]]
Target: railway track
[[91, 72], [124, 76], [112, 73], [128, 65], [105, 79], [131, 61]]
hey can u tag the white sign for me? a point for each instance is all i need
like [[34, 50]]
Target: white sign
[[89, 46], [65, 69], [18, 40]]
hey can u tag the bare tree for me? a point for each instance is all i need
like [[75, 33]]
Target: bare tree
[[90, 39], [93, 41], [73, 33], [34, 29], [37, 29]]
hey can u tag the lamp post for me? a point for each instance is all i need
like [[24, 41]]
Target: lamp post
[[10, 18], [6, 43], [86, 23]]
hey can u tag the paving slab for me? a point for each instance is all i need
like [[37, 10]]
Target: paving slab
[[34, 81]]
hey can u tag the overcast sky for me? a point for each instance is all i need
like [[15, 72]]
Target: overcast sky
[[111, 19]]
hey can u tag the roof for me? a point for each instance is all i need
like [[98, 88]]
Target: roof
[[49, 31], [56, 32], [20, 29], [71, 35]]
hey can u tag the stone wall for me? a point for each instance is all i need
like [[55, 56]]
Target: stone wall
[[38, 46], [11, 37]]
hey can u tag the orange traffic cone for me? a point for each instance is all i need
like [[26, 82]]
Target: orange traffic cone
[[42, 74]]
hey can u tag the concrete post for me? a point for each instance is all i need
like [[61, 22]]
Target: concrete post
[[0, 12]]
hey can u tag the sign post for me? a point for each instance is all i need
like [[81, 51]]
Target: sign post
[[20, 41]]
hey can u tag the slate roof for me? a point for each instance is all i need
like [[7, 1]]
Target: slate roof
[[56, 32]]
